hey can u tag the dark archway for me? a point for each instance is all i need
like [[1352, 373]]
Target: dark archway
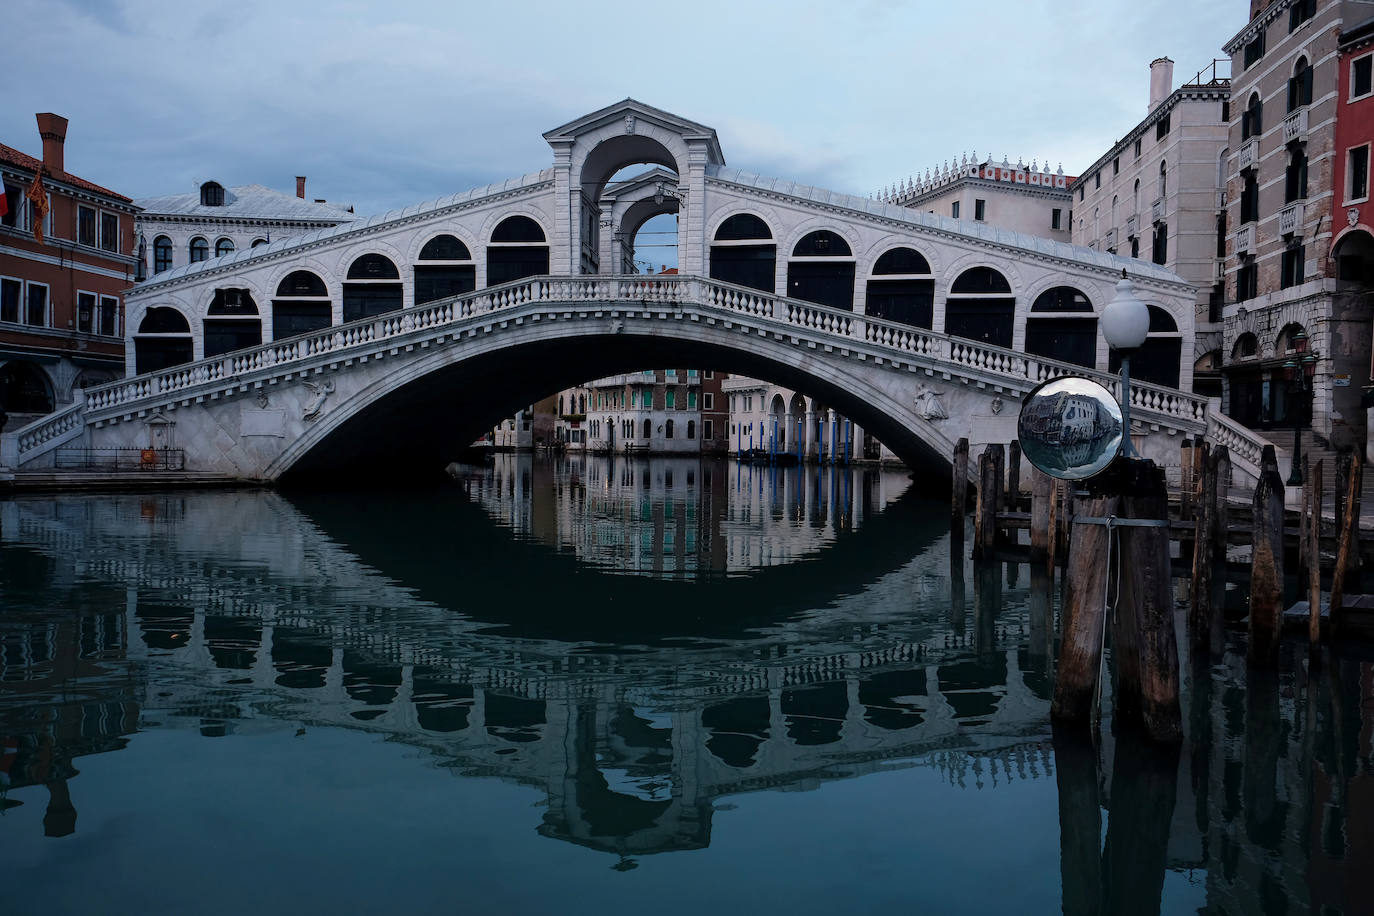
[[1159, 359], [163, 340], [1062, 326], [231, 323], [743, 253], [373, 288], [1354, 254], [25, 389], [902, 288], [821, 270], [518, 249], [301, 305], [980, 306], [445, 268]]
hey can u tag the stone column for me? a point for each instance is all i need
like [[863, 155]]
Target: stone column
[[809, 432], [833, 430]]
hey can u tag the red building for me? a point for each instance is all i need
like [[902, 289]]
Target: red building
[[63, 274], [1352, 244]]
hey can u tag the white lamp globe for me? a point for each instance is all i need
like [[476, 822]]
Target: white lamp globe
[[1125, 320]]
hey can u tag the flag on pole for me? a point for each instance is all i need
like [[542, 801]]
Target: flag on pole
[[4, 201], [38, 196]]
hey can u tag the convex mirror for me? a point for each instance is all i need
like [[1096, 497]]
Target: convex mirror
[[1070, 428]]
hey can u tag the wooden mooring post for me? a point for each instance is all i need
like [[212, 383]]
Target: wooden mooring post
[[1208, 585], [1348, 522], [1014, 475], [990, 471], [958, 507], [1042, 515], [1311, 539], [1266, 568]]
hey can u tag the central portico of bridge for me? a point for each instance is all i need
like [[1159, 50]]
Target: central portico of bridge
[[400, 337]]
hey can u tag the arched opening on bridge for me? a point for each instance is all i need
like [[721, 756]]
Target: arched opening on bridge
[[640, 206], [743, 253], [1062, 326], [301, 305], [373, 288], [1354, 254], [980, 306], [445, 268], [1159, 359], [24, 389], [821, 270], [232, 322], [517, 249], [737, 728], [902, 288], [610, 161], [777, 429], [163, 340]]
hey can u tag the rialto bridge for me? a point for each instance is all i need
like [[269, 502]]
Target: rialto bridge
[[397, 339]]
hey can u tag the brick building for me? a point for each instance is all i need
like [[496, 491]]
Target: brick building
[[63, 274]]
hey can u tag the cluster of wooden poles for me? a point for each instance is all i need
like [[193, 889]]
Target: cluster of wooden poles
[[1118, 566]]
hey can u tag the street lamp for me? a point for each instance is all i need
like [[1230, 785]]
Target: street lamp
[[1297, 375], [1125, 325]]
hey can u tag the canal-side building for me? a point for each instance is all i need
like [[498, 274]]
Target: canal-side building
[[180, 229], [657, 411], [1158, 194], [1284, 173], [66, 258], [781, 421], [1026, 198]]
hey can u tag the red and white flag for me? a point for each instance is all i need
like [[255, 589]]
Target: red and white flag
[[38, 196], [4, 201]]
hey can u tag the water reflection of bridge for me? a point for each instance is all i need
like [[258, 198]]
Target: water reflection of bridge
[[280, 626]]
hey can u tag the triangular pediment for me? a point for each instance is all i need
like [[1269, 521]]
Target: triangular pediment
[[629, 108], [647, 179]]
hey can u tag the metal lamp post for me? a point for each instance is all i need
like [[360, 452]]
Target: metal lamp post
[[1125, 325], [1297, 375]]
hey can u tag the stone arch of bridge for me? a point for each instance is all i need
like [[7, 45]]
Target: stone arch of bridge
[[408, 416]]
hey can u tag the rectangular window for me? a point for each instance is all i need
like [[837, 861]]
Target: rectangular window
[[1137, 147], [85, 312], [668, 394], [85, 226], [1291, 269], [1097, 180], [1056, 218], [691, 373], [1254, 50], [1300, 12], [708, 402], [1162, 128], [1357, 174], [1226, 112], [1245, 280], [1135, 246], [109, 232], [10, 293], [980, 210], [1080, 192], [954, 209], [1160, 254], [1116, 166], [37, 312], [1361, 77], [709, 374], [109, 316], [707, 429], [691, 399]]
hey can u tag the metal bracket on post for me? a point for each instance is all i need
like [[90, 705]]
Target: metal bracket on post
[[1114, 522]]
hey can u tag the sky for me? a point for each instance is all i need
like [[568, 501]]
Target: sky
[[383, 105]]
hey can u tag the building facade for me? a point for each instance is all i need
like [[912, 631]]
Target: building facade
[[657, 411], [65, 261], [1282, 215], [1157, 194], [783, 422], [1029, 199]]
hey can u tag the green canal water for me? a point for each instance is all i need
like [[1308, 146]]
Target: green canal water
[[617, 686]]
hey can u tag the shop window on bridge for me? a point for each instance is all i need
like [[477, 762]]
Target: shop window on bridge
[[163, 340], [446, 269], [981, 307], [743, 253], [821, 270], [517, 250], [232, 322], [373, 288], [1159, 359], [1062, 326], [902, 288], [301, 305], [24, 388]]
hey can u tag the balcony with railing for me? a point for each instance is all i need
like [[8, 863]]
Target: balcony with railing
[[1132, 226], [1109, 242], [1295, 126], [1248, 154], [1245, 238], [1157, 210], [1290, 219]]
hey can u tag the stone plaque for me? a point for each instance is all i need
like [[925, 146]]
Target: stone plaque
[[264, 423]]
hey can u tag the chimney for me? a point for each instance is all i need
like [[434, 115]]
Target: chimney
[[53, 129], [300, 186], [1161, 80]]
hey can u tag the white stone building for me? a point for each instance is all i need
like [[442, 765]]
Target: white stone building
[[1029, 199], [1158, 194], [181, 229], [782, 421]]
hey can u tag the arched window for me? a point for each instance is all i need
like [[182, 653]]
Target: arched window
[[373, 288], [1159, 359], [743, 253], [257, 242], [582, 403], [231, 322], [1252, 121], [200, 249], [1135, 198], [24, 389], [980, 307], [224, 246], [1112, 225], [821, 270], [648, 428], [691, 429], [301, 305], [446, 269], [1247, 346], [212, 194], [162, 254], [163, 340], [517, 250], [1300, 85], [902, 288], [1062, 326], [668, 430], [1295, 176], [1163, 179]]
